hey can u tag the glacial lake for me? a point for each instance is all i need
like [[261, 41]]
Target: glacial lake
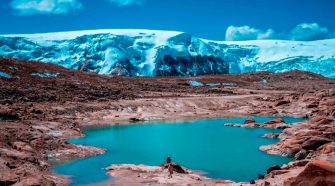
[[206, 145]]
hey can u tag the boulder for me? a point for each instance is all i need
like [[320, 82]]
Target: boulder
[[302, 154], [314, 142], [275, 121], [316, 173], [300, 163], [313, 105], [249, 121], [7, 177], [279, 172], [271, 136], [274, 167], [320, 121], [22, 146], [18, 155], [250, 125], [281, 126], [135, 119], [232, 125], [8, 115], [119, 70], [327, 148], [282, 102], [328, 102], [291, 151], [176, 168]]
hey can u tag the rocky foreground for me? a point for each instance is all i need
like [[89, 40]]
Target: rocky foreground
[[128, 174], [42, 105], [315, 172]]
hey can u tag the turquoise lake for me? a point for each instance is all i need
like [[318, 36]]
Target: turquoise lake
[[204, 145]]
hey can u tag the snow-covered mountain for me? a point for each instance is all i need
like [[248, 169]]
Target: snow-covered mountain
[[156, 53]]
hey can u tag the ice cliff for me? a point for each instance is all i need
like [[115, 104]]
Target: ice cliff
[[168, 53]]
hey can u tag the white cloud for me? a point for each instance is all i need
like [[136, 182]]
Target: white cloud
[[31, 7], [126, 2], [301, 32], [247, 33], [309, 31]]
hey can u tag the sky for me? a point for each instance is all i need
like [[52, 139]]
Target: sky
[[210, 19]]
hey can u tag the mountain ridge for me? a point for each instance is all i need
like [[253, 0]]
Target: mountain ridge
[[168, 53]]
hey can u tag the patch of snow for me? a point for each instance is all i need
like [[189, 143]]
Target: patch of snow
[[229, 84], [54, 36], [5, 75], [274, 50], [13, 67], [55, 133], [45, 75], [54, 155], [195, 83], [130, 109], [213, 84]]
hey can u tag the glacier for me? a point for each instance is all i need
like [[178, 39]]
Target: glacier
[[168, 53]]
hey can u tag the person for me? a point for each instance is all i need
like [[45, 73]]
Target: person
[[170, 170], [169, 167], [168, 160]]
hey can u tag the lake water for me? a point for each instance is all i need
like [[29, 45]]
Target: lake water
[[205, 145]]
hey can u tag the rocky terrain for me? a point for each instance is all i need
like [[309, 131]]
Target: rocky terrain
[[128, 174], [43, 104]]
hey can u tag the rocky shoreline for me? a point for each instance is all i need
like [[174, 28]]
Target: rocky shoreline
[[128, 174], [310, 143], [38, 114]]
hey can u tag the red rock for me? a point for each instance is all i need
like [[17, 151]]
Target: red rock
[[8, 115], [327, 148], [329, 102], [279, 172], [21, 146], [271, 136], [291, 151], [302, 154], [36, 180], [275, 121], [282, 126], [320, 121], [176, 168], [313, 105], [6, 175], [283, 102], [249, 121], [314, 142], [316, 173], [300, 163], [274, 167]]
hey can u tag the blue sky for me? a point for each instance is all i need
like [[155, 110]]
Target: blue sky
[[212, 19]]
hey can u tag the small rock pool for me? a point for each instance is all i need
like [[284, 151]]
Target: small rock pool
[[205, 145]]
